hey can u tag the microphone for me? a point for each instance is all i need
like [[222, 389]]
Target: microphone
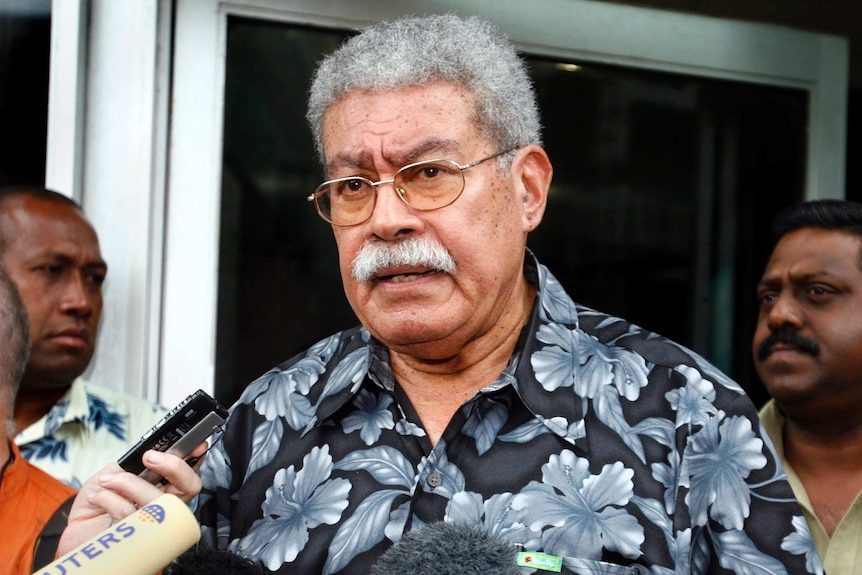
[[141, 544], [206, 561], [442, 548]]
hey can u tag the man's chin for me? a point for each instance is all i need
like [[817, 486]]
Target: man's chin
[[787, 383], [57, 374]]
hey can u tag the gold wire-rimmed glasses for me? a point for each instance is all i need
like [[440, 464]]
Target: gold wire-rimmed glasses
[[424, 186]]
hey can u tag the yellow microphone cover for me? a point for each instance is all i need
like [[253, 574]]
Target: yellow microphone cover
[[141, 544]]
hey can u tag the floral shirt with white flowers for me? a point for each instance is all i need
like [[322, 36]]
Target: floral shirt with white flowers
[[607, 446], [88, 428]]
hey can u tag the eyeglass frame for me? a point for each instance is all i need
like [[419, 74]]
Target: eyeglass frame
[[318, 192]]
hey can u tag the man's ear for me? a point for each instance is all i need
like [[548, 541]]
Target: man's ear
[[535, 173]]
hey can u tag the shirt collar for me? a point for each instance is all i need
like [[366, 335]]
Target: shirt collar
[[79, 404], [70, 408], [560, 411]]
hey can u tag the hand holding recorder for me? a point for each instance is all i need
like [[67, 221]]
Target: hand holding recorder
[[158, 464]]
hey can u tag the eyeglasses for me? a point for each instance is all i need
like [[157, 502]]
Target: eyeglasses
[[424, 186]]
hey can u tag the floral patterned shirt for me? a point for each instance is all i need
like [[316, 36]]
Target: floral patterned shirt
[[88, 428], [601, 443]]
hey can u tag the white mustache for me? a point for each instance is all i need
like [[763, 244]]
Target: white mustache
[[412, 252]]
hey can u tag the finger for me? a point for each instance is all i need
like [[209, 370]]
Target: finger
[[200, 450], [122, 493], [182, 480], [83, 507], [196, 457], [115, 505]]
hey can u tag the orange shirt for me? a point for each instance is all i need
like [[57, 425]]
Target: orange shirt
[[28, 498]]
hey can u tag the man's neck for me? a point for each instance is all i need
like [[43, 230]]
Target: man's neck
[[830, 468], [31, 404], [437, 389]]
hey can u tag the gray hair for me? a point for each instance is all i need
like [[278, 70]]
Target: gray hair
[[417, 51], [15, 338]]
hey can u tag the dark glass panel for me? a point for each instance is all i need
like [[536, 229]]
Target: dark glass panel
[[663, 187], [25, 44]]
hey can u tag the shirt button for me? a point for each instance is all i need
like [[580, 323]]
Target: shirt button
[[435, 480]]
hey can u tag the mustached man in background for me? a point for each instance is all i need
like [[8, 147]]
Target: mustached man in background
[[808, 353]]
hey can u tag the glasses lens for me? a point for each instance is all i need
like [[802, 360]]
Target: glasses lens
[[430, 185], [346, 201]]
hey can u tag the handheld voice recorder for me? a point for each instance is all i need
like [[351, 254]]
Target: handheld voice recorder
[[197, 418]]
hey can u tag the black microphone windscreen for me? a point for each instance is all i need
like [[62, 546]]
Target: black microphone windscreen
[[207, 561], [448, 549]]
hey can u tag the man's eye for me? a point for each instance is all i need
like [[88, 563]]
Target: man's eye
[[350, 187], [430, 172], [819, 293], [353, 185], [97, 279], [51, 269], [766, 298]]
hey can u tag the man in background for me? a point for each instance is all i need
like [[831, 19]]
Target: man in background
[[64, 425], [28, 496], [808, 353]]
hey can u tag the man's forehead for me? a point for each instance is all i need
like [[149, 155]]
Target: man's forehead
[[42, 226], [404, 122], [21, 209], [813, 251], [815, 240]]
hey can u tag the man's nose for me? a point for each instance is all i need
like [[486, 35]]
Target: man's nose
[[785, 311], [392, 216], [77, 296]]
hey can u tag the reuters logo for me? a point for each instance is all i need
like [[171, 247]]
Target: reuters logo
[[152, 514]]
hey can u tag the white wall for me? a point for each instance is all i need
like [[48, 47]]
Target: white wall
[[107, 148]]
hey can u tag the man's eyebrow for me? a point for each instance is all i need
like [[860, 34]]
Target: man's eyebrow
[[766, 283], [436, 145], [440, 146], [344, 161], [55, 256], [800, 278], [65, 259], [98, 265]]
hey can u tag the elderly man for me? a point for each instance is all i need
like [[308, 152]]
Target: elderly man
[[64, 425], [475, 390], [808, 353]]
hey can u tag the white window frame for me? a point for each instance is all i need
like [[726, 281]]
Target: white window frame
[[108, 116], [165, 311]]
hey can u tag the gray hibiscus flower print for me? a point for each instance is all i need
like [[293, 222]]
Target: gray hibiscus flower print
[[723, 454], [297, 502], [586, 513]]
